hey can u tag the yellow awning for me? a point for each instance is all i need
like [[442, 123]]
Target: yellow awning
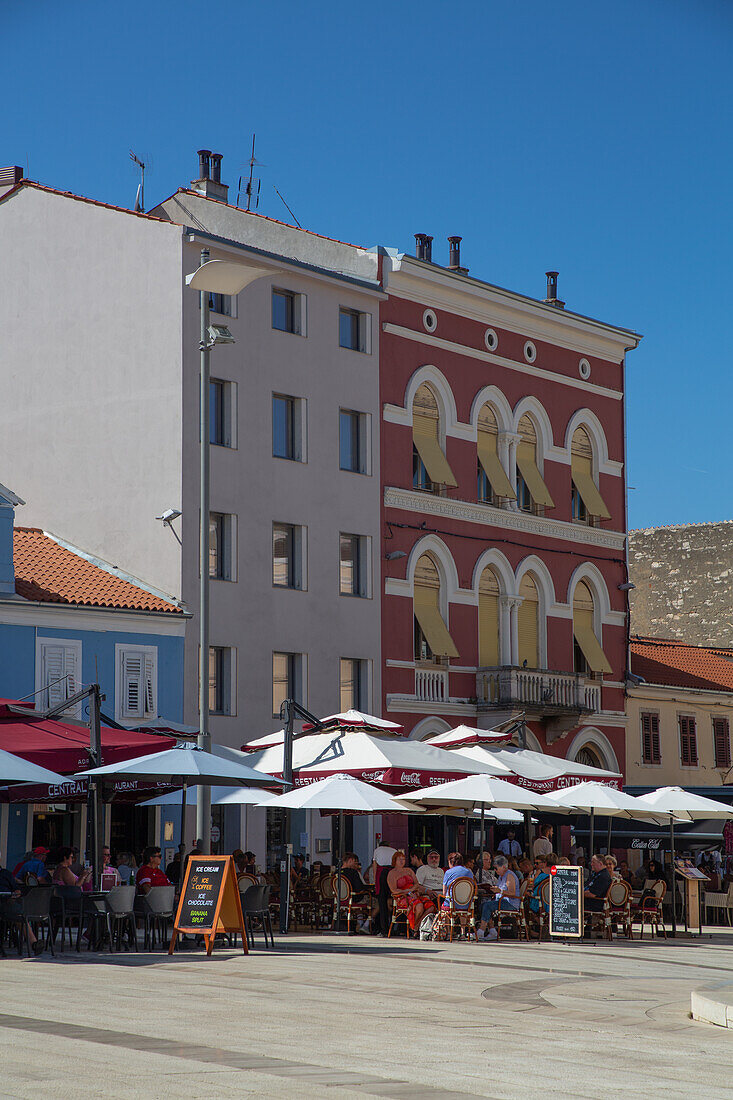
[[431, 622], [493, 468], [425, 437], [533, 477], [587, 488], [586, 639]]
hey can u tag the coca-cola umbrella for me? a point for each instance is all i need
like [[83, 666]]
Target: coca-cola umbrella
[[598, 798], [536, 770], [460, 736], [388, 762]]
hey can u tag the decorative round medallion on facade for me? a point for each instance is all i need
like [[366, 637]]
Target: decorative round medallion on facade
[[584, 368], [430, 320], [530, 352], [491, 339]]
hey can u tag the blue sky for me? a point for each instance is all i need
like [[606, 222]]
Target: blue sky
[[588, 137]]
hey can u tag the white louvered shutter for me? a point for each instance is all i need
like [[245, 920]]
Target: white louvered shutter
[[150, 685], [60, 673], [133, 692]]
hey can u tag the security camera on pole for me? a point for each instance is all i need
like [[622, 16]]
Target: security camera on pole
[[212, 277]]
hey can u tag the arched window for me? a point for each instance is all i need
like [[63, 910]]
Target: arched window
[[488, 619], [493, 484], [532, 493], [588, 755], [430, 467], [528, 623], [432, 639], [587, 502], [588, 655]]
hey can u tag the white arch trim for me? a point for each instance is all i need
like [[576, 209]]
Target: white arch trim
[[534, 408], [499, 404], [592, 575], [444, 394], [536, 566], [584, 418], [501, 567], [590, 735], [428, 727], [431, 544]]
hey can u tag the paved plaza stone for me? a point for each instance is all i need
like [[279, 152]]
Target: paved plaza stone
[[360, 1016]]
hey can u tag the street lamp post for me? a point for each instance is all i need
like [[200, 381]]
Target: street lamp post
[[212, 277]]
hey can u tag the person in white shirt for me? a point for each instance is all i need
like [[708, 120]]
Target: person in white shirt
[[430, 875], [509, 846], [381, 866], [543, 844]]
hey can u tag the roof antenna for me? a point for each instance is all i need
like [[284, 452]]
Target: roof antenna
[[290, 212], [140, 197], [250, 189]]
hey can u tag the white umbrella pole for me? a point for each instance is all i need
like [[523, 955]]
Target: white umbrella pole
[[483, 839], [674, 877], [338, 870], [591, 838], [182, 845]]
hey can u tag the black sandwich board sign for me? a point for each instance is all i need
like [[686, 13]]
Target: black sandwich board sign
[[566, 902], [209, 901]]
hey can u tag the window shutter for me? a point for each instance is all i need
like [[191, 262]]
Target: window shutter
[[60, 675], [651, 749], [688, 741], [721, 738], [133, 667], [150, 685], [528, 624]]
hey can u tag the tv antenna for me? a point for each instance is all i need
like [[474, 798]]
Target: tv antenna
[[252, 187], [140, 197]]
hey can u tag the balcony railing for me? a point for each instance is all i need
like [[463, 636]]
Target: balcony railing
[[545, 691], [431, 685]]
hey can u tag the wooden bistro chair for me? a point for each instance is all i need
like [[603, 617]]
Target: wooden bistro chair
[[649, 910], [462, 893], [540, 919], [516, 918], [720, 901], [245, 879], [358, 908], [617, 908]]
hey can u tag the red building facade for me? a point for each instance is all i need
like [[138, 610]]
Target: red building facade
[[504, 513]]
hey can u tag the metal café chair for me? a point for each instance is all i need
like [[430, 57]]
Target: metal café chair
[[35, 909], [120, 905], [66, 903], [156, 908], [256, 907]]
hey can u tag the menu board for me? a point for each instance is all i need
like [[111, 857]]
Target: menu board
[[209, 901], [566, 901]]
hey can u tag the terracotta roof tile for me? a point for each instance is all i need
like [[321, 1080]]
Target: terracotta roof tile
[[50, 573], [664, 661]]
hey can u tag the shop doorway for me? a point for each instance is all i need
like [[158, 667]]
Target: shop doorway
[[132, 828], [53, 827]]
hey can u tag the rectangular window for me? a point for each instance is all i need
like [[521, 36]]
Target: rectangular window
[[354, 675], [354, 329], [579, 510], [221, 546], [220, 303], [222, 688], [136, 679], [651, 752], [58, 673], [353, 568], [287, 556], [222, 421], [287, 679], [352, 441], [485, 490], [288, 428], [288, 311], [524, 496], [688, 741], [721, 739]]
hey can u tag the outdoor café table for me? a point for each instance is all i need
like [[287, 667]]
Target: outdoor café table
[[92, 905]]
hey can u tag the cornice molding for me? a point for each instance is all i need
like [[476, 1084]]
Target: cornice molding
[[499, 360], [89, 619], [412, 705], [411, 500]]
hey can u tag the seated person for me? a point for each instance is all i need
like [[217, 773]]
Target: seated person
[[150, 873], [64, 876], [625, 873], [505, 896], [250, 864], [360, 891], [485, 875], [610, 864], [539, 875], [430, 874], [237, 856], [525, 867], [173, 870], [35, 865], [125, 868], [298, 871], [596, 889], [11, 909], [416, 860], [456, 869], [407, 893], [107, 868]]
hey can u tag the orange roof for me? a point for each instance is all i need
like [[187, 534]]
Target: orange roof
[[665, 661], [47, 572]]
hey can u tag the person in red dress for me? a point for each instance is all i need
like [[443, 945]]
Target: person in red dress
[[150, 873]]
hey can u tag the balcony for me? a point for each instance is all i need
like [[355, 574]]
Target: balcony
[[557, 698], [431, 685]]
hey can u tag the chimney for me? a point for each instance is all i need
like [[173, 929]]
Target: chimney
[[424, 247], [10, 177], [209, 182], [552, 298], [454, 257]]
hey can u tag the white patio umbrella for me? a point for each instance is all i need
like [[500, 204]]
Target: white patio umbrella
[[338, 792], [15, 769], [223, 796], [677, 804], [480, 792], [346, 721], [598, 798], [185, 765], [461, 736], [536, 770]]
